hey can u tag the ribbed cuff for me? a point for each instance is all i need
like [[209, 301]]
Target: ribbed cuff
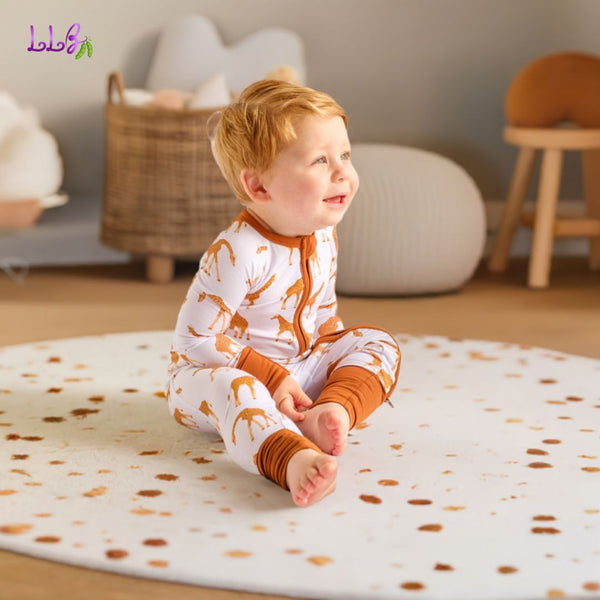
[[264, 369], [358, 390], [276, 451]]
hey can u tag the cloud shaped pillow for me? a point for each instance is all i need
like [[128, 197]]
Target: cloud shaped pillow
[[190, 52]]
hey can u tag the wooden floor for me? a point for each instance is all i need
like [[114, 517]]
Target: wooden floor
[[66, 302]]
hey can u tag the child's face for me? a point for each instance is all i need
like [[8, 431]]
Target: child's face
[[311, 182]]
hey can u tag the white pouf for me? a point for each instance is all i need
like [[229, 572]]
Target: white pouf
[[416, 225]]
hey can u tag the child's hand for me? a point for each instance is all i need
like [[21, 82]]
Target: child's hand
[[291, 400]]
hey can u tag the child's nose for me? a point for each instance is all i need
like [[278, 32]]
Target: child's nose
[[340, 171]]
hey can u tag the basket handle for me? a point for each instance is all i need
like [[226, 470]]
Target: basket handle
[[115, 79]]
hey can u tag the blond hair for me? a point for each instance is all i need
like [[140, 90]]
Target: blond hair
[[252, 131]]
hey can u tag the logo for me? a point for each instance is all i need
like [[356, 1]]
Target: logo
[[71, 42]]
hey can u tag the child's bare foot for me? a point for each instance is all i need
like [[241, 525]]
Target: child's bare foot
[[327, 426], [310, 476]]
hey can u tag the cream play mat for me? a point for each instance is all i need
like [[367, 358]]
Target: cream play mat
[[481, 482]]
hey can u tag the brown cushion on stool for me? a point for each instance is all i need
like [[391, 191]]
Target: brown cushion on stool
[[555, 88]]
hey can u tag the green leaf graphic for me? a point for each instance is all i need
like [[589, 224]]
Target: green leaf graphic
[[81, 51], [90, 50]]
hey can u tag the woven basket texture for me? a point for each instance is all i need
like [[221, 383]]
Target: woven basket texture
[[163, 191]]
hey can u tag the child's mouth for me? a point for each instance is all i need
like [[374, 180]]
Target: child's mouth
[[335, 200]]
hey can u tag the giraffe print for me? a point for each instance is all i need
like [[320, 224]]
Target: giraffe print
[[206, 410], [375, 362], [332, 324], [237, 225], [251, 415], [237, 383], [296, 290], [185, 419], [224, 313], [194, 332], [272, 272], [274, 296], [254, 296], [385, 379], [316, 263], [313, 298], [239, 325], [191, 361], [212, 257], [284, 327], [225, 346], [232, 396]]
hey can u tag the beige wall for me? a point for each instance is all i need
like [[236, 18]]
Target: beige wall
[[425, 73]]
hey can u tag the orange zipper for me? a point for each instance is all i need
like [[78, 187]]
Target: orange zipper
[[307, 247]]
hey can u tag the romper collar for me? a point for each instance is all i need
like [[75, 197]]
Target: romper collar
[[301, 241]]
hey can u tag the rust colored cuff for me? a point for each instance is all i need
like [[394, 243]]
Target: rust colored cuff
[[264, 369], [276, 451], [358, 390]]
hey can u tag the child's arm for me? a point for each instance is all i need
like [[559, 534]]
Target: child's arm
[[216, 293]]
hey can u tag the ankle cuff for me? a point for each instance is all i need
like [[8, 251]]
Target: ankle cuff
[[276, 451], [358, 390]]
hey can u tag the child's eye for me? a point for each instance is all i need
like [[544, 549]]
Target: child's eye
[[346, 156], [321, 160]]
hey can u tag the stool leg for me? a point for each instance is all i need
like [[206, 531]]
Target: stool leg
[[512, 210], [545, 214], [159, 269], [591, 188]]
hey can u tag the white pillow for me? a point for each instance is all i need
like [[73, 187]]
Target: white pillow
[[211, 94], [134, 97], [190, 50]]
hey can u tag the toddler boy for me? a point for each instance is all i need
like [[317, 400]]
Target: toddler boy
[[259, 354]]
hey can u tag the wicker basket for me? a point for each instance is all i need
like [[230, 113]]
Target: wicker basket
[[164, 194]]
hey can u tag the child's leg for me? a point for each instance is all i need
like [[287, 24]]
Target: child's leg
[[365, 368], [350, 395], [257, 436], [296, 464]]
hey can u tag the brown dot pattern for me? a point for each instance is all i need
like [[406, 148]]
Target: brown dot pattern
[[370, 499], [412, 586], [486, 441], [507, 570], [320, 561], [238, 554]]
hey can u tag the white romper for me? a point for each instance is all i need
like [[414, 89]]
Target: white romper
[[261, 307]]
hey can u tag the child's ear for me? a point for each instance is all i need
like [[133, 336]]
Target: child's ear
[[253, 185]]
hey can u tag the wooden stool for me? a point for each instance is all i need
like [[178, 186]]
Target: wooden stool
[[546, 226]]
